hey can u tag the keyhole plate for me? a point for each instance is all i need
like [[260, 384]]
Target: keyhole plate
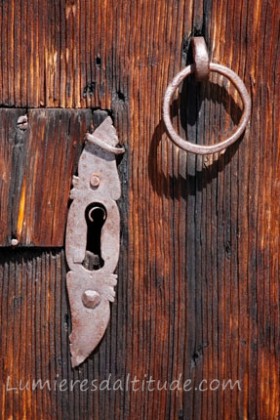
[[92, 240]]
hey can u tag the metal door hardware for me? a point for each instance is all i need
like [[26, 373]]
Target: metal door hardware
[[201, 69], [92, 240]]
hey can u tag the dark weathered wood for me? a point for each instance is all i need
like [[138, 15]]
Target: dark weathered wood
[[37, 166], [198, 290], [34, 344]]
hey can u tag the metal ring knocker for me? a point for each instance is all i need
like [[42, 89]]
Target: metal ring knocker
[[201, 68]]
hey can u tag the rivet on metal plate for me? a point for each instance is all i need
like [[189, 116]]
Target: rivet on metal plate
[[92, 240]]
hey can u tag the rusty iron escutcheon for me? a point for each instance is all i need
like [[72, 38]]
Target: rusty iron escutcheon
[[92, 240]]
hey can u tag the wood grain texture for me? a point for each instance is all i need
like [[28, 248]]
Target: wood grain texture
[[198, 290], [37, 380], [37, 166]]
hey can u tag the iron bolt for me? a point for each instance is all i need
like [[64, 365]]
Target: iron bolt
[[91, 298], [94, 180]]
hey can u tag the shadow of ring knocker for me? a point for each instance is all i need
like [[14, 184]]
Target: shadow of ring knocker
[[201, 69]]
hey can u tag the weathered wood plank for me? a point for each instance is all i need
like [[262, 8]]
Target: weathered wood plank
[[37, 163], [198, 294], [36, 375]]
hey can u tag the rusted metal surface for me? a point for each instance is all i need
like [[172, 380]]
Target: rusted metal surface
[[92, 255], [199, 68], [22, 122], [201, 58]]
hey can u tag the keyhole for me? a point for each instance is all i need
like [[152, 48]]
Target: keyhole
[[95, 215]]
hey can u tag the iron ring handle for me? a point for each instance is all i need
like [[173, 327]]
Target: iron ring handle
[[196, 148]]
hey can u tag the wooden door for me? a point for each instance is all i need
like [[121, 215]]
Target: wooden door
[[198, 296]]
